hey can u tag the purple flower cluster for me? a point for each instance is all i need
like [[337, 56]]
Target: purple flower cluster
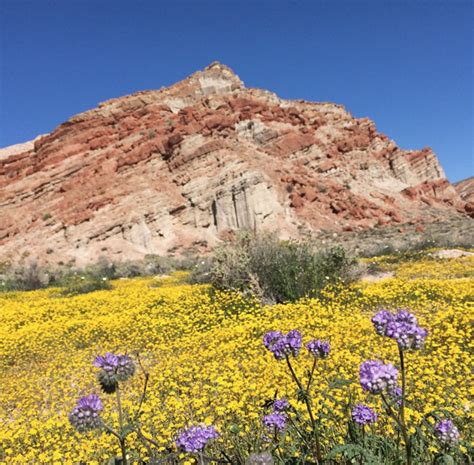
[[281, 405], [319, 349], [403, 316], [446, 432], [381, 320], [113, 368], [363, 415], [402, 327], [283, 345], [407, 336], [275, 421], [377, 377], [195, 438], [277, 418], [85, 415]]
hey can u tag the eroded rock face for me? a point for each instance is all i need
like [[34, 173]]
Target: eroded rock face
[[465, 189], [159, 171]]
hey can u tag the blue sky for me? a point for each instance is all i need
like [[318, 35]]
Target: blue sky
[[405, 64]]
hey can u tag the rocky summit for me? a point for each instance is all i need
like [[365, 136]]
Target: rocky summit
[[161, 171]]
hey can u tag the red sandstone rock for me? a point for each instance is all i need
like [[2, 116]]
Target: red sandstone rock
[[296, 200], [309, 193], [158, 171], [465, 189]]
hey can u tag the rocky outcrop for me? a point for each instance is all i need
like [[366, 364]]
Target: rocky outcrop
[[19, 148], [159, 171], [465, 189]]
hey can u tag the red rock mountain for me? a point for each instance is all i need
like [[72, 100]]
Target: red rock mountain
[[158, 171]]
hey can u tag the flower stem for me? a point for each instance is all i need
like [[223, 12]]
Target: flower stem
[[297, 429], [391, 412], [310, 411], [310, 379], [406, 438], [143, 396], [110, 430], [122, 437], [201, 458]]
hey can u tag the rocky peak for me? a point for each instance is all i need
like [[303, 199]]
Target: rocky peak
[[220, 71], [214, 79], [160, 171]]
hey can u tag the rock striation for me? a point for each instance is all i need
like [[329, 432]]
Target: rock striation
[[160, 171], [465, 190]]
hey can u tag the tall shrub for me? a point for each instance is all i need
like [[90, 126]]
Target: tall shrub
[[276, 271]]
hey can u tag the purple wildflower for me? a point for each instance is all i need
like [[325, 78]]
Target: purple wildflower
[[403, 316], [408, 336], [275, 420], [114, 368], [294, 340], [363, 415], [396, 395], [107, 362], [280, 405], [85, 415], [195, 438], [402, 327], [283, 345], [446, 432], [270, 338], [381, 320], [377, 377], [319, 349]]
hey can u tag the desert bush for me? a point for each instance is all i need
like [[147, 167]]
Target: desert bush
[[150, 265], [31, 276], [412, 247], [25, 278], [83, 284], [103, 268], [274, 270]]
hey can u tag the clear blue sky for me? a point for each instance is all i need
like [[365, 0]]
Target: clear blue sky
[[405, 64]]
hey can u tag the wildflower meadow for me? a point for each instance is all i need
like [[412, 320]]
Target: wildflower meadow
[[155, 370]]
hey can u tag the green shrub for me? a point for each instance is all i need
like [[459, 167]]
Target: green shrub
[[76, 284], [274, 270], [28, 277], [103, 268]]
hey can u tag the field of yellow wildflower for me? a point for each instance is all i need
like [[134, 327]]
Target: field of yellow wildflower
[[203, 350]]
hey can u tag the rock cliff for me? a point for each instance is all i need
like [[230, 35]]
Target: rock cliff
[[159, 171], [465, 189]]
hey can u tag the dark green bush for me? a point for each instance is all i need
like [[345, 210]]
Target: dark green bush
[[274, 270]]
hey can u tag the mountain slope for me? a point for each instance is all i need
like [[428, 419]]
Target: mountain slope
[[465, 189], [159, 171]]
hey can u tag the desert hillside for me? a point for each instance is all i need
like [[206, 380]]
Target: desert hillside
[[160, 171], [465, 189]]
